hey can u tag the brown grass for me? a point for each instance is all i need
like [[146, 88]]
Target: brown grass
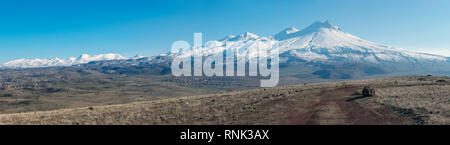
[[399, 100]]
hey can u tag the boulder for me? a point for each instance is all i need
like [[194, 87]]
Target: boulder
[[368, 91]]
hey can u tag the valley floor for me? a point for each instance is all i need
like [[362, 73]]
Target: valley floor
[[398, 100]]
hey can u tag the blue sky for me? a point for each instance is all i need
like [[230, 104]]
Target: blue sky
[[49, 28]]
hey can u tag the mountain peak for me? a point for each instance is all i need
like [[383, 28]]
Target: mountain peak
[[290, 30], [321, 25], [84, 56], [243, 36], [248, 34], [137, 56], [315, 27], [285, 33]]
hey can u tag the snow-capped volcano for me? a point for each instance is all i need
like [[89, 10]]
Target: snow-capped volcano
[[321, 41], [85, 58]]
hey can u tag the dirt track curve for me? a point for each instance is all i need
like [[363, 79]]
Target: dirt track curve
[[338, 106]]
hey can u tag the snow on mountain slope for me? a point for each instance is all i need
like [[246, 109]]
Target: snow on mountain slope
[[321, 41], [85, 58], [240, 37]]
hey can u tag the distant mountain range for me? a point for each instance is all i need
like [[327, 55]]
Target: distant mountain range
[[323, 42], [322, 48], [85, 58]]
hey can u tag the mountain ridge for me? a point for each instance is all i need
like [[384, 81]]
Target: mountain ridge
[[55, 61], [322, 41]]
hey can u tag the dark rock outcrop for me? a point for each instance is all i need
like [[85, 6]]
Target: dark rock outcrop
[[368, 91]]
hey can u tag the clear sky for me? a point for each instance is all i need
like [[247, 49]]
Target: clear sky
[[49, 28]]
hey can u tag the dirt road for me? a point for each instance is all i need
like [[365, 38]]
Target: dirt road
[[339, 106]]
